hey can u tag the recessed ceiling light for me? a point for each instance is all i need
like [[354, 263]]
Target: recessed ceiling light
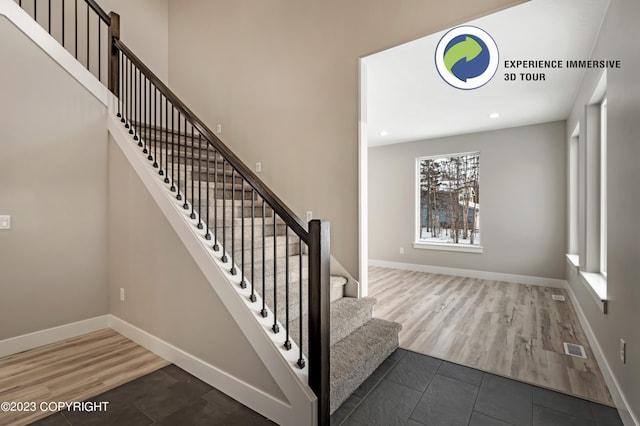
[[494, 115], [383, 133]]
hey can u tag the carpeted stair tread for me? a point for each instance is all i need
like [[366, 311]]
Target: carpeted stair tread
[[347, 315], [357, 356]]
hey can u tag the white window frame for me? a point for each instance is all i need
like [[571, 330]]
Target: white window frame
[[422, 244], [603, 187], [593, 197]]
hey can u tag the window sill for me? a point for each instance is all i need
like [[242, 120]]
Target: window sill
[[448, 247], [574, 259], [597, 285]]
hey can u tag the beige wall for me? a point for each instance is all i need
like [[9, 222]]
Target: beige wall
[[166, 294], [617, 40], [144, 27], [53, 182], [522, 204], [282, 78]]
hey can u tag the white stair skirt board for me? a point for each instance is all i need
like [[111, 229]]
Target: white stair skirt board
[[237, 389], [280, 362], [629, 418], [33, 30], [36, 339], [469, 273]]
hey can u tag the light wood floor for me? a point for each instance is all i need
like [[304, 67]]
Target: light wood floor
[[72, 370], [512, 330]]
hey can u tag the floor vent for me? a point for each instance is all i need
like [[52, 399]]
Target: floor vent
[[558, 297], [574, 350]]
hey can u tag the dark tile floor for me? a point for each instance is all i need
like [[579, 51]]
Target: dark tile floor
[[413, 389], [169, 396], [407, 389]]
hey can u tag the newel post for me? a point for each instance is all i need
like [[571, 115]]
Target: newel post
[[319, 327], [114, 57]]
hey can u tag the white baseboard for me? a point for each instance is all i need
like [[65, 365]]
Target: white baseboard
[[484, 275], [624, 409], [25, 342], [259, 401]]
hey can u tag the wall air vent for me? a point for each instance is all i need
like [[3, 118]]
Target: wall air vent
[[558, 297]]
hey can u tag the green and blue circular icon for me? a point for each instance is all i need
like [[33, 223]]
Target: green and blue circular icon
[[467, 57]]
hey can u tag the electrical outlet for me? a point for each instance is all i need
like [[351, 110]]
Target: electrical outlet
[[122, 294], [219, 128], [309, 216], [623, 351], [5, 222], [401, 250], [258, 167]]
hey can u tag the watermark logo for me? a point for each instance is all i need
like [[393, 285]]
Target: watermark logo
[[467, 57]]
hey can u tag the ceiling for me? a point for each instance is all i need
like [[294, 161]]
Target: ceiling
[[408, 101]]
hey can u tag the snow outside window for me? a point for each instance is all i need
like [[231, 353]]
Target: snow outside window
[[449, 200]]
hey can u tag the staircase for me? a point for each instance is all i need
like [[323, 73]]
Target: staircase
[[359, 343], [284, 262]]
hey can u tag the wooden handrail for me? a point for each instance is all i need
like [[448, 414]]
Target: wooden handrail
[[278, 206], [100, 11]]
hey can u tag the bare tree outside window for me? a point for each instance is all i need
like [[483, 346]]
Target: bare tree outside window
[[449, 199]]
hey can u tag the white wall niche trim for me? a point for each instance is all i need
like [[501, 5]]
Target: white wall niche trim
[[470, 273]]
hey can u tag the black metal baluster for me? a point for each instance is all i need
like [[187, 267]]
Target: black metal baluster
[[99, 52], [186, 182], [200, 226], [120, 89], [173, 154], [143, 117], [233, 221], [150, 123], [160, 170], [63, 13], [301, 362], [263, 312], [216, 247], [155, 127], [193, 153], [243, 283], [75, 14], [179, 196], [253, 239], [166, 140], [88, 36], [224, 210], [35, 10], [136, 105], [287, 342], [208, 234], [140, 118], [125, 113], [129, 113], [275, 327]]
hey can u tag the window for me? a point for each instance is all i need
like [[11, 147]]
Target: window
[[448, 201], [592, 195], [603, 187], [573, 193]]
